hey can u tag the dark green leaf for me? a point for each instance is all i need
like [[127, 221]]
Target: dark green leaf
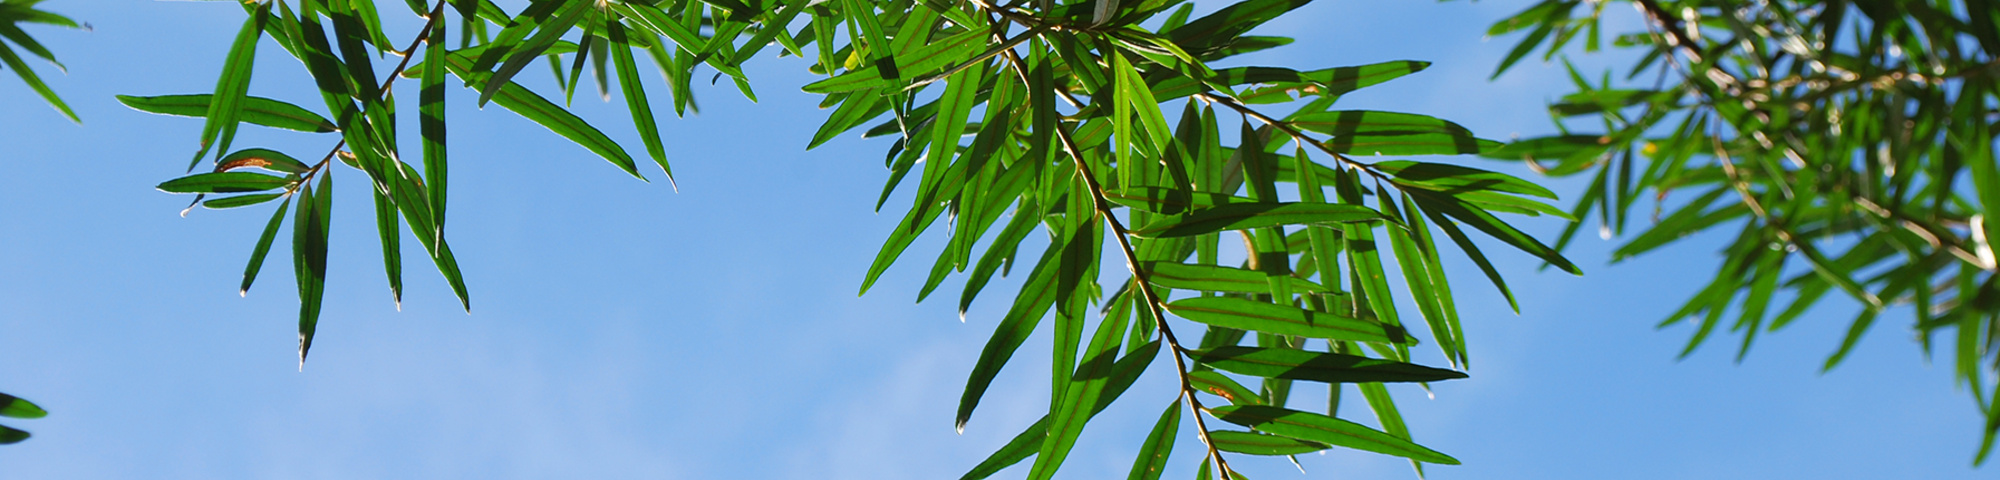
[[240, 200], [223, 182], [232, 86], [1328, 430], [1261, 444], [309, 236], [1277, 319], [1251, 215], [263, 247], [1315, 366]]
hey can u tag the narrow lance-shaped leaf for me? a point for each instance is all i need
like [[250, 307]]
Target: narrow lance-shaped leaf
[[309, 236], [1272, 318], [392, 247], [1159, 445], [223, 182], [533, 107], [1315, 366], [1252, 215], [564, 14], [1034, 300], [1029, 441], [1086, 386], [430, 122], [254, 110], [232, 86], [635, 97], [264, 246], [1328, 430], [16, 407], [13, 61], [1259, 444]]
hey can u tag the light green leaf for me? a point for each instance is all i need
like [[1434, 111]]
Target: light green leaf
[[1159, 445], [16, 407]]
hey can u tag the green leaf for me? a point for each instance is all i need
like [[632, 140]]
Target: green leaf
[[1078, 402], [635, 98], [928, 58], [1029, 441], [309, 236], [548, 24], [12, 60], [1252, 215], [10, 435], [263, 246], [261, 158], [1558, 147], [240, 201], [1315, 366], [1277, 319], [430, 121], [232, 86], [1485, 222], [1222, 386], [1328, 82], [1211, 278], [1328, 430], [1159, 444], [1168, 200], [1036, 296], [16, 407], [1261, 444], [224, 182], [1363, 132], [1454, 179], [529, 105], [392, 247]]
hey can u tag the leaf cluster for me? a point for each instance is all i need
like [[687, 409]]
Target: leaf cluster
[[1099, 123], [1842, 146], [13, 14]]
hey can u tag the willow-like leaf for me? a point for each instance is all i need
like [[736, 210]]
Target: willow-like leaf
[[1253, 215], [1315, 366], [1319, 428]]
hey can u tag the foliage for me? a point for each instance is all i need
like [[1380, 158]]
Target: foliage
[[16, 407], [1057, 117], [1848, 145], [13, 13]]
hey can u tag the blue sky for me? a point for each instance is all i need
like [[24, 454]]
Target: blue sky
[[622, 330]]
